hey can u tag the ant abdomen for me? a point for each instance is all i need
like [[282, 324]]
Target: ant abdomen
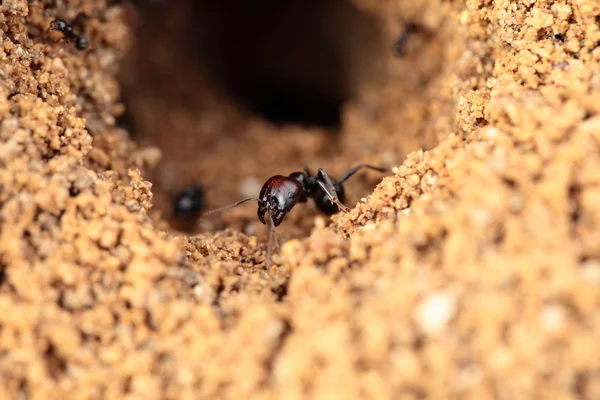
[[325, 205]]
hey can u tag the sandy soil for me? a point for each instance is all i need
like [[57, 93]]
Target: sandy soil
[[472, 271]]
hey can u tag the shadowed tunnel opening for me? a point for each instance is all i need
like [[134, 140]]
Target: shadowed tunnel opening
[[291, 61]]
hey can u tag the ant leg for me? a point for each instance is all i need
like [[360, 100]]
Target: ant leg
[[324, 182], [332, 196], [355, 169], [270, 244]]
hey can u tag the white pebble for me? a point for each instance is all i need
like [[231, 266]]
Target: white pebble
[[590, 271], [434, 313], [489, 133], [552, 318]]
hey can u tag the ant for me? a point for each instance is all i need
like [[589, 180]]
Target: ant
[[400, 44], [189, 202], [281, 193], [60, 25]]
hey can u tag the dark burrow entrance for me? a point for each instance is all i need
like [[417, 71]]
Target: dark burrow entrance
[[290, 61]]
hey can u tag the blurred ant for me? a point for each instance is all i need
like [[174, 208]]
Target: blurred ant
[[80, 41], [189, 202], [281, 193], [187, 206], [400, 44], [66, 29]]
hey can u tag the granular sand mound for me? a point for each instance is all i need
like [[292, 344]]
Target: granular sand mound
[[473, 271]]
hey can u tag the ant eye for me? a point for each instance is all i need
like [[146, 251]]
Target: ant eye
[[189, 202]]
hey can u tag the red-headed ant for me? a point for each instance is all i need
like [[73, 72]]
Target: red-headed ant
[[281, 193], [66, 29]]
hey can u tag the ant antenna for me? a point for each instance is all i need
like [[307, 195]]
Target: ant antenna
[[45, 12], [230, 206], [271, 230], [39, 7], [355, 169]]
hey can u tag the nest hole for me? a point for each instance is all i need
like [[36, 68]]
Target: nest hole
[[289, 61]]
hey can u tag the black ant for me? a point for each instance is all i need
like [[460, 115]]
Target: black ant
[[281, 193], [60, 25], [189, 202], [400, 44]]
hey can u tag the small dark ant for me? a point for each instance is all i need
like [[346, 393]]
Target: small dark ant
[[60, 25], [281, 193], [189, 202], [400, 44]]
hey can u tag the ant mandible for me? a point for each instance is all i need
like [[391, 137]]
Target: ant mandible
[[281, 193], [60, 25]]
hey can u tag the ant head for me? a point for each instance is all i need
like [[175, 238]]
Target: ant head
[[59, 25], [278, 196], [189, 202]]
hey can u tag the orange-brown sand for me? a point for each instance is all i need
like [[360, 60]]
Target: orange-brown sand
[[472, 271]]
